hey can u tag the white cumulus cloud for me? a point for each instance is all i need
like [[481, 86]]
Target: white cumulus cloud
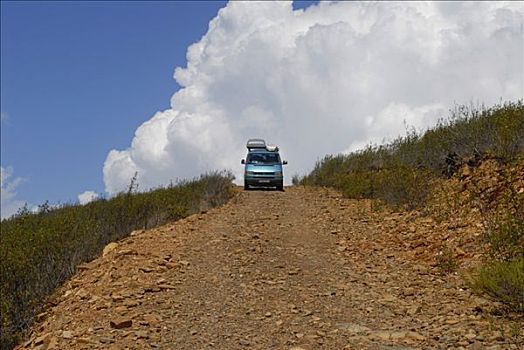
[[87, 196], [323, 80], [9, 203]]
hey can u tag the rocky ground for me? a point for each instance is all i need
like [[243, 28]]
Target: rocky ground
[[300, 269]]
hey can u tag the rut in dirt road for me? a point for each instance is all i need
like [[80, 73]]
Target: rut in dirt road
[[270, 270]]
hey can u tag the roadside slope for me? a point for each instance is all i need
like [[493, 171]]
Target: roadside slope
[[273, 270]]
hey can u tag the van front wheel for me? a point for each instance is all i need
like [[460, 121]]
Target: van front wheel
[[280, 187], [246, 187]]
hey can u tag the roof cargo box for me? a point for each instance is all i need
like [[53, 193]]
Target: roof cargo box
[[272, 148], [255, 143]]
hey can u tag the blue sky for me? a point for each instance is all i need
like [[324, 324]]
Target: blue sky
[[78, 78]]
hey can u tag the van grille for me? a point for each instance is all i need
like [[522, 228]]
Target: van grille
[[258, 173]]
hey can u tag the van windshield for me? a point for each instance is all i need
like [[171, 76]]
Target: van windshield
[[263, 158]]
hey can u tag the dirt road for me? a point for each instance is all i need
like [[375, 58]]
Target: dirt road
[[303, 269]]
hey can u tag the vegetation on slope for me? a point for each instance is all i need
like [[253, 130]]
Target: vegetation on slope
[[39, 251], [502, 277], [399, 172], [402, 174]]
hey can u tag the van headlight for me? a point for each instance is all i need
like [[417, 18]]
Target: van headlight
[[249, 173], [278, 173]]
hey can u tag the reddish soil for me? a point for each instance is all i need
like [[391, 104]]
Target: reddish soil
[[300, 269]]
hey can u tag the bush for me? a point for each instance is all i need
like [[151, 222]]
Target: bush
[[502, 275], [446, 261], [507, 243], [504, 281], [40, 251], [399, 172], [355, 185], [402, 186]]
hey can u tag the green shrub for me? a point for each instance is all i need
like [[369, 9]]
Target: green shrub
[[403, 186], [507, 242], [355, 185], [502, 275], [504, 281], [38, 252], [446, 261]]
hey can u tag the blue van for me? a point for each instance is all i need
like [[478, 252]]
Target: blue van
[[263, 166]]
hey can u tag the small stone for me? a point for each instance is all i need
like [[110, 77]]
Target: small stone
[[471, 336], [413, 310], [136, 232], [166, 286], [493, 347], [106, 340], [85, 340], [381, 335], [67, 334], [268, 314], [452, 321], [388, 298], [120, 323], [42, 339], [121, 309], [142, 335], [308, 313], [408, 292], [397, 335], [116, 297], [151, 319], [416, 336], [353, 328], [131, 303], [82, 293], [109, 248]]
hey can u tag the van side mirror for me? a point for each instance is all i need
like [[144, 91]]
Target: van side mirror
[[284, 162], [243, 161]]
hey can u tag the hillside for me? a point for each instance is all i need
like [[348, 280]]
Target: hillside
[[417, 243], [40, 251], [303, 269]]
